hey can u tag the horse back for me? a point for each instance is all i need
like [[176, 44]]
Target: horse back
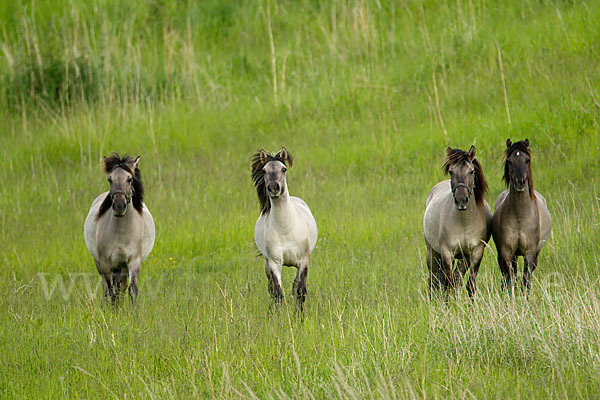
[[309, 220], [149, 233], [545, 219]]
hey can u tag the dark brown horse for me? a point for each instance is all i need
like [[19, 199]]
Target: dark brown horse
[[457, 222], [521, 224]]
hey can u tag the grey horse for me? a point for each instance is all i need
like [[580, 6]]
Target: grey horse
[[286, 231], [457, 222], [119, 230]]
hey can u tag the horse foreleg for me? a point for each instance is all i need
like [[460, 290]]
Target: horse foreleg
[[299, 285], [119, 283], [447, 273], [273, 271], [109, 294], [123, 283], [529, 265], [134, 271], [505, 264], [434, 264], [462, 266], [475, 262], [106, 280]]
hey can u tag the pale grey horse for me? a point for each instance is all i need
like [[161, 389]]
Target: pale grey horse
[[286, 231], [119, 230], [521, 225], [457, 222]]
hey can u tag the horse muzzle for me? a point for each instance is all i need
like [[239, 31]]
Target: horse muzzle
[[461, 193], [274, 190], [119, 209], [120, 202], [461, 206], [520, 186]]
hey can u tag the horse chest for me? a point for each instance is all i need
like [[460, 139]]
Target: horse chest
[[290, 250], [521, 233], [117, 250], [463, 243], [288, 247]]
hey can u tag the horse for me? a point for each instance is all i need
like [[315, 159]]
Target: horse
[[286, 231], [119, 240], [521, 224], [457, 222]]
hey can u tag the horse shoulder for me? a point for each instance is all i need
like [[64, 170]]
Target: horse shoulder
[[500, 200], [497, 215], [259, 234], [441, 187], [439, 202], [488, 217], [91, 225]]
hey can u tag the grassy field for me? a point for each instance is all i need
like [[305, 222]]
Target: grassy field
[[366, 96]]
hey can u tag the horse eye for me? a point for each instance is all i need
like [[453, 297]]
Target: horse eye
[[284, 169], [527, 161], [472, 172], [130, 180], [109, 180]]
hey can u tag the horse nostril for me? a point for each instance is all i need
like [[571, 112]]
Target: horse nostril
[[276, 187]]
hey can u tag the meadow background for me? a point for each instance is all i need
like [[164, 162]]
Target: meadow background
[[365, 95]]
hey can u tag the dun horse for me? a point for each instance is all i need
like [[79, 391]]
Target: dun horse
[[119, 230], [457, 222], [286, 231], [521, 225]]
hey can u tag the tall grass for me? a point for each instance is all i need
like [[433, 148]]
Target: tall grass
[[365, 95]]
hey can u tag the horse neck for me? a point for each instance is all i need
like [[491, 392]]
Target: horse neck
[[469, 214], [283, 211], [520, 203], [123, 224]]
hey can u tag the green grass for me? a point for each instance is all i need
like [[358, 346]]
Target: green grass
[[190, 87]]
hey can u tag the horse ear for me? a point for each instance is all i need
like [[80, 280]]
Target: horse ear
[[526, 143], [135, 162], [471, 153], [448, 150], [263, 156], [508, 143], [285, 156]]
